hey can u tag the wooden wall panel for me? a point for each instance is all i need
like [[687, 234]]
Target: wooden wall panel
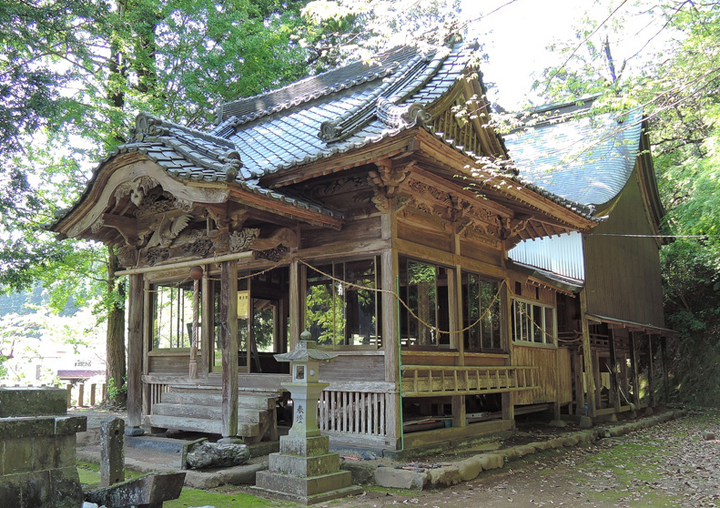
[[544, 358], [623, 272], [355, 231], [168, 364], [427, 358], [479, 252], [564, 389], [354, 368]]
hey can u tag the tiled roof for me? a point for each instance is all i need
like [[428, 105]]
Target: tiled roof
[[189, 154], [340, 111], [586, 159]]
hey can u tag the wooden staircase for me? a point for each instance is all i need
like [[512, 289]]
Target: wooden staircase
[[199, 409]]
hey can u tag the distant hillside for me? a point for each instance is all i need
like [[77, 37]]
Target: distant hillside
[[26, 302]]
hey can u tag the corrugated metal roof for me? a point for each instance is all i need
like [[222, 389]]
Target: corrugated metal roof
[[561, 254], [585, 159]]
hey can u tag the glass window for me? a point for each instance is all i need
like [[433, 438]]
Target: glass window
[[342, 304], [481, 309], [172, 316], [533, 322], [424, 289]]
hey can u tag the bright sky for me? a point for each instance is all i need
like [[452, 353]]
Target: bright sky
[[517, 35]]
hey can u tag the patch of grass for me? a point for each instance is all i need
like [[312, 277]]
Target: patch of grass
[[90, 473], [220, 499]]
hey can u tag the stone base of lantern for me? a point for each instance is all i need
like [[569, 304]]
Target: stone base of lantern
[[305, 472]]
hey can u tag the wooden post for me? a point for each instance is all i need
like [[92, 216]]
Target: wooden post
[[651, 375], [635, 374], [614, 381], [508, 402], [228, 313], [587, 357], [81, 395], [136, 299], [92, 394], [207, 328], [390, 330], [195, 339], [456, 339], [663, 349], [578, 377], [147, 333], [296, 324]]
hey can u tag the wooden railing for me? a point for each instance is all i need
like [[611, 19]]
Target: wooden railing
[[435, 381], [353, 412]]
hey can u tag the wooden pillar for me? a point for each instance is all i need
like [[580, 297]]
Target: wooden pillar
[[207, 330], [587, 357], [614, 381], [651, 375], [390, 330], [578, 379], [228, 314], [666, 385], [635, 373], [147, 332], [296, 324], [456, 339], [136, 295], [508, 402]]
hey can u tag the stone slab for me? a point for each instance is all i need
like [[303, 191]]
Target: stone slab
[[32, 402], [400, 478], [306, 487], [295, 465]]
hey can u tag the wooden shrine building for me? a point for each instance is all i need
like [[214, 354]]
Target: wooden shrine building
[[358, 205]]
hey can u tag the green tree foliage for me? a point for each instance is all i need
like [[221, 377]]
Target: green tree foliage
[[676, 85]]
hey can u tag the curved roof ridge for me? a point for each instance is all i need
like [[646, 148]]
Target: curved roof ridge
[[251, 108]]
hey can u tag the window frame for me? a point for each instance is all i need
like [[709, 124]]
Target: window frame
[[528, 328]]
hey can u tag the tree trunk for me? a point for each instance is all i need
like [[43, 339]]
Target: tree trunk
[[115, 347]]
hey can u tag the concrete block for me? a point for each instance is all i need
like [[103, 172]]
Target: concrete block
[[490, 461], [112, 451], [586, 422], [66, 488], [18, 456], [70, 424], [12, 428], [36, 490], [400, 478], [445, 476], [469, 469], [10, 491], [32, 402], [558, 423], [306, 446], [296, 465]]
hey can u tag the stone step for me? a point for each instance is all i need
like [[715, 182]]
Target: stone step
[[210, 399], [209, 412], [200, 425]]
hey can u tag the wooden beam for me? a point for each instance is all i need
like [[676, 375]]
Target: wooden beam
[[229, 316], [207, 320]]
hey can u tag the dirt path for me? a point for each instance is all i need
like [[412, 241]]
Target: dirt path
[[670, 465]]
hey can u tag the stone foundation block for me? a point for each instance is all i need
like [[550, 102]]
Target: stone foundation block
[[319, 445], [491, 461], [400, 478], [304, 466], [303, 487], [469, 469], [444, 476], [525, 450], [32, 402]]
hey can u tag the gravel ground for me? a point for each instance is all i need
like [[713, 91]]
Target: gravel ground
[[675, 464]]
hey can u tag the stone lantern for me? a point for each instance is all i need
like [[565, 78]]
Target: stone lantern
[[305, 471]]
